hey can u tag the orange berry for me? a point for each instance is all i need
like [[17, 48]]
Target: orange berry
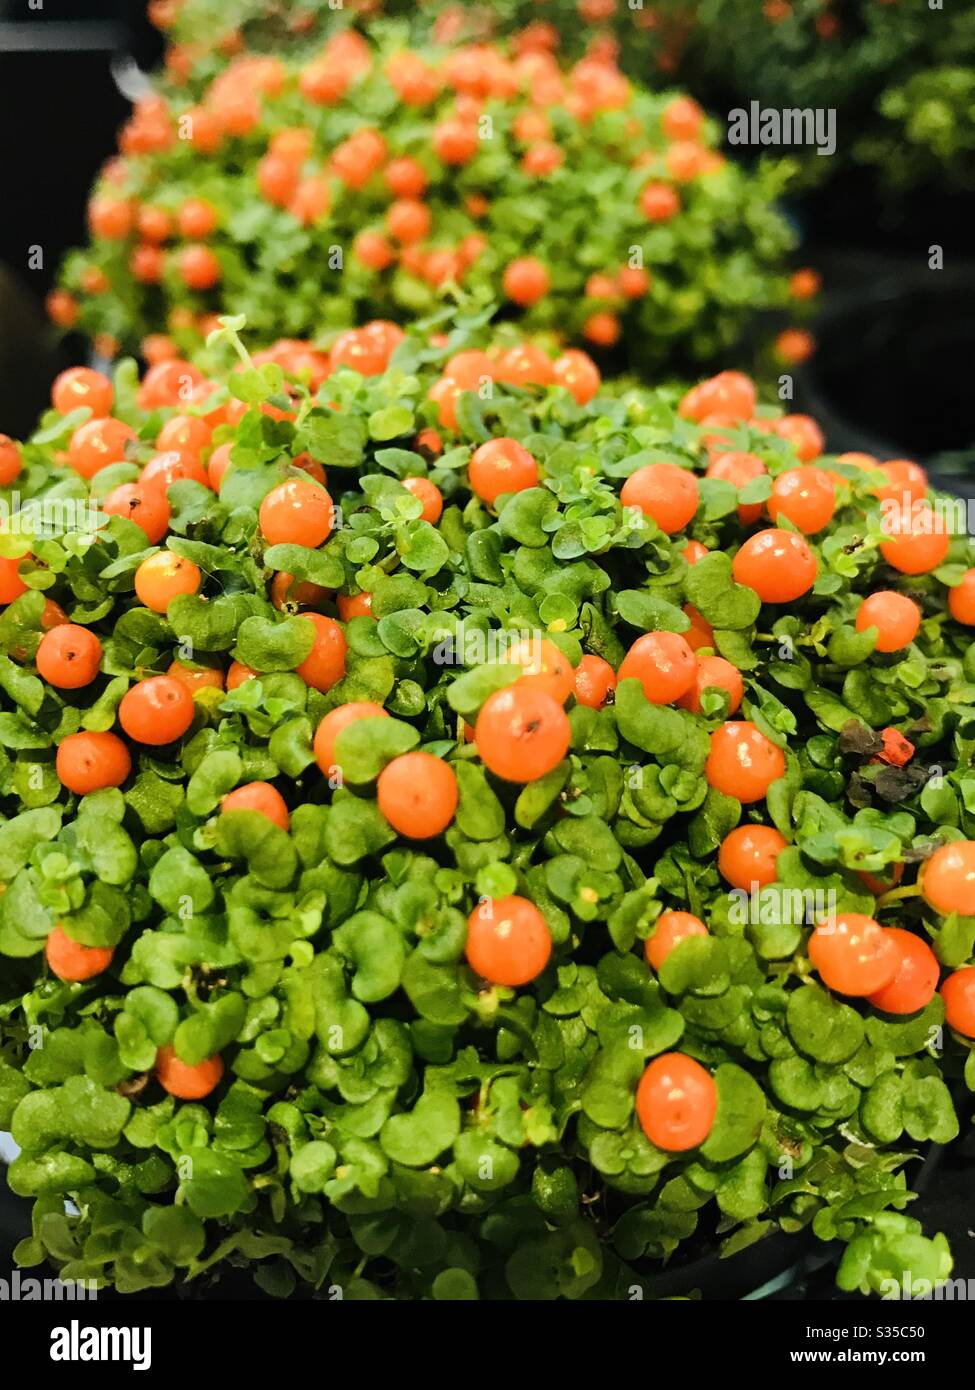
[[163, 576], [806, 496], [199, 268], [594, 681], [218, 464], [62, 308], [82, 386], [713, 672], [176, 465], [501, 466], [700, 633], [545, 666], [405, 178], [958, 992], [906, 481], [325, 664], [664, 665], [526, 281], [238, 673], [670, 930], [147, 507], [682, 119], [803, 434], [156, 711], [525, 365], [72, 961], [455, 142], [297, 594], [521, 733], [354, 606], [633, 281], [602, 328], [665, 492], [184, 1081], [578, 373], [408, 221], [659, 202], [853, 954], [296, 513], [69, 657], [260, 797], [110, 219], [372, 250], [729, 393], [11, 584], [87, 762], [739, 468], [896, 617], [961, 599], [197, 219], [508, 941], [676, 1102], [947, 879], [804, 283], [915, 979], [10, 464], [429, 495], [917, 543], [743, 763], [748, 854], [207, 677], [777, 564], [417, 793], [332, 725], [184, 434], [97, 443]]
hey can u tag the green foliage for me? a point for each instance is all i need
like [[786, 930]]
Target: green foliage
[[387, 1122], [712, 265]]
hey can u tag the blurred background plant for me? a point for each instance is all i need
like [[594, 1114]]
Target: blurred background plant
[[374, 177], [895, 70]]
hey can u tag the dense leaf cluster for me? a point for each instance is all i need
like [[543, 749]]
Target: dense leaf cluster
[[898, 76], [388, 1124], [712, 262]]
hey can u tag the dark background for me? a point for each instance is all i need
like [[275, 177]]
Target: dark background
[[59, 110]]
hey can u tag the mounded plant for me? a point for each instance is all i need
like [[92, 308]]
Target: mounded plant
[[373, 179], [203, 34], [898, 75], [387, 768]]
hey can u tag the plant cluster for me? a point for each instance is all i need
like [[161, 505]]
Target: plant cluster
[[384, 767], [374, 179], [876, 62]]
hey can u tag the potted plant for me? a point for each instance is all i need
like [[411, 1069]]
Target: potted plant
[[374, 179], [471, 830]]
